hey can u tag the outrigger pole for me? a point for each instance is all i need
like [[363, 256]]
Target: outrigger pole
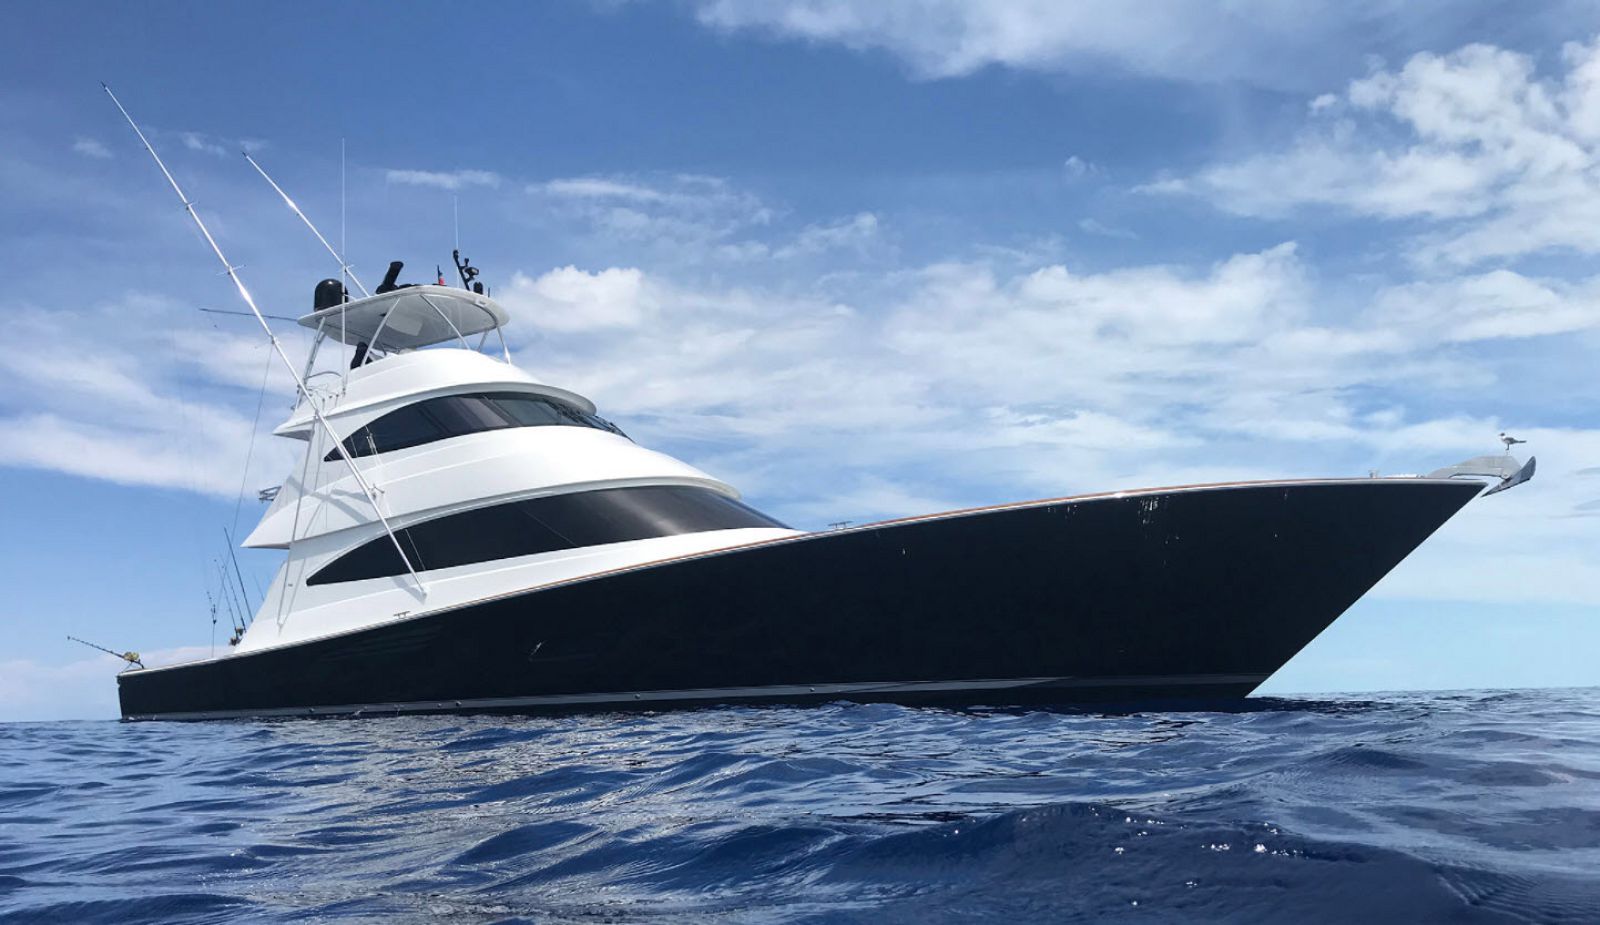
[[346, 271], [299, 383], [343, 264]]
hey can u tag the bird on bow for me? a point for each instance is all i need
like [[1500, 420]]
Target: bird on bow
[[1509, 441]]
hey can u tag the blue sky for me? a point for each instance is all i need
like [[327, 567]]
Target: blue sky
[[860, 260]]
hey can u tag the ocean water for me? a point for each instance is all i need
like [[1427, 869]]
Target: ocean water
[[1463, 807]]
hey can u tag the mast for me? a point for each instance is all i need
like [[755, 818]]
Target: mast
[[299, 383]]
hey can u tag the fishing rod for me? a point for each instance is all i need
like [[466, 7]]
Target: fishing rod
[[213, 604], [131, 658], [234, 555], [300, 385], [226, 591]]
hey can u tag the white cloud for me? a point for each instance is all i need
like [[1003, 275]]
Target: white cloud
[[444, 179], [130, 414], [82, 688], [569, 299], [684, 214], [195, 141], [693, 218], [1092, 226], [1046, 380], [125, 456], [90, 147], [1271, 42], [599, 188], [829, 393], [856, 233], [1076, 168], [1499, 161], [1499, 304]]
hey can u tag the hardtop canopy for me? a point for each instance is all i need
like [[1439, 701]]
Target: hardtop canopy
[[408, 318]]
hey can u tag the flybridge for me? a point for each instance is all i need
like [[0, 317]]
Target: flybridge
[[401, 318], [408, 318]]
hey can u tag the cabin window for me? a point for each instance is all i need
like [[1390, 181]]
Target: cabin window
[[466, 414], [535, 525], [405, 427], [456, 415]]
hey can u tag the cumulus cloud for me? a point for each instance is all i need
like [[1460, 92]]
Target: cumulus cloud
[[443, 179], [995, 373], [971, 382], [1498, 161], [1499, 304], [831, 389], [569, 299]]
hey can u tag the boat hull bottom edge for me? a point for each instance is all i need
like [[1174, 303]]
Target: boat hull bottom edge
[[1185, 690]]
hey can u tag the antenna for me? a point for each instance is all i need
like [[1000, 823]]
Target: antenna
[[344, 266], [342, 248], [299, 383], [224, 311], [455, 209]]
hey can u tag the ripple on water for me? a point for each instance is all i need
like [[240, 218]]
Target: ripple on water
[[1462, 807]]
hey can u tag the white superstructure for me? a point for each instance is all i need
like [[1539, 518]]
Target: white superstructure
[[471, 459]]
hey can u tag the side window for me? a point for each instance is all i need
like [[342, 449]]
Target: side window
[[533, 411], [403, 428], [396, 430], [528, 410], [466, 414], [455, 415], [536, 525]]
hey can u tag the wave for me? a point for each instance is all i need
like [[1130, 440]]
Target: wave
[[1460, 807]]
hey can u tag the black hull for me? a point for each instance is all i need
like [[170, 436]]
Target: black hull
[[1157, 596]]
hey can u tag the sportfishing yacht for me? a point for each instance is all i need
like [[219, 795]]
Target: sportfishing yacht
[[529, 556], [460, 536]]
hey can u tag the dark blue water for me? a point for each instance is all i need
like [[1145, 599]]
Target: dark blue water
[[1478, 807]]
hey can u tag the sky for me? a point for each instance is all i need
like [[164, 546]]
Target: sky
[[859, 260]]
